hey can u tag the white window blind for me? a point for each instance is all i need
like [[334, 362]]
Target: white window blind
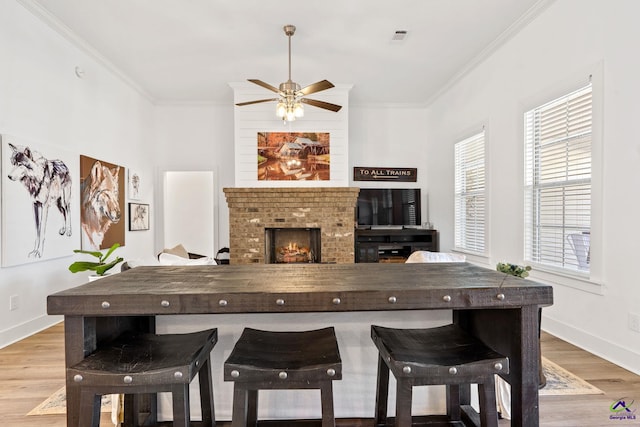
[[470, 196], [558, 182]]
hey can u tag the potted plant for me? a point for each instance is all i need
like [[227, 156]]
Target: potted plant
[[101, 266], [513, 269]]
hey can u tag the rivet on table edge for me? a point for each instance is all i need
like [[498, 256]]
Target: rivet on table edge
[[331, 372], [165, 303], [446, 298], [453, 370], [280, 301], [235, 374], [500, 297], [177, 375], [498, 366], [127, 379], [223, 303], [106, 304], [283, 375], [336, 301], [393, 299]]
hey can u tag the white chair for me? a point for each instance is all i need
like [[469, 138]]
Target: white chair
[[426, 256], [580, 244]]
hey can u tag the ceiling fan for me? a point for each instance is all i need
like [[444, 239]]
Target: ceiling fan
[[290, 95]]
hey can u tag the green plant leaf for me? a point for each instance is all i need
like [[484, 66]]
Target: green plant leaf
[[110, 251], [79, 266], [96, 254], [100, 270]]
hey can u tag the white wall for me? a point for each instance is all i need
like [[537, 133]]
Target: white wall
[[390, 136], [42, 100], [569, 40]]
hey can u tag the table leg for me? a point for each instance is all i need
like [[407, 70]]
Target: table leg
[[74, 344], [514, 333]]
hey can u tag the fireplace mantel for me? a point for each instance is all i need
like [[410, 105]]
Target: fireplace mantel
[[251, 210]]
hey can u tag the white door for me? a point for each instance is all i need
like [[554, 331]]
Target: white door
[[189, 211]]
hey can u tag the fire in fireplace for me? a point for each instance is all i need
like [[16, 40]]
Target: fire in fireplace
[[292, 245]]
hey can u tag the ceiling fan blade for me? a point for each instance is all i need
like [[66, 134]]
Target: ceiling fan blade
[[264, 85], [240, 104], [316, 87], [321, 104]]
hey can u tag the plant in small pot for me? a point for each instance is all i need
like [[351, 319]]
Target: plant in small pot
[[101, 266], [513, 269]]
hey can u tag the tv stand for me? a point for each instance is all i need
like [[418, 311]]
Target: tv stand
[[393, 245]]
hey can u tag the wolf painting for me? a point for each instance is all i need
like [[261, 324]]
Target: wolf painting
[[40, 193], [48, 183], [100, 203]]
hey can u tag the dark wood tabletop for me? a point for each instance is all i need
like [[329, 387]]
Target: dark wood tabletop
[[298, 288]]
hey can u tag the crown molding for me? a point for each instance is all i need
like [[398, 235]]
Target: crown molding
[[56, 25], [531, 14]]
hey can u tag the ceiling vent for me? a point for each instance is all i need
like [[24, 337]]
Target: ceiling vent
[[399, 35]]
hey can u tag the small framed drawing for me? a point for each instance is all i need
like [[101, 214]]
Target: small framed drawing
[[134, 185], [138, 217]]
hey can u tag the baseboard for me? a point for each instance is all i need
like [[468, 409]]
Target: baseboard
[[607, 350], [24, 330]]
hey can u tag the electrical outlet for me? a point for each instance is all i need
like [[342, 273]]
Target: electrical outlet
[[634, 322], [14, 302]]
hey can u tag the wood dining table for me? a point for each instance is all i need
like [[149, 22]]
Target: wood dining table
[[499, 309]]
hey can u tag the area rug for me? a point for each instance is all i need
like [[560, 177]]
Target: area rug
[[57, 404], [561, 382]]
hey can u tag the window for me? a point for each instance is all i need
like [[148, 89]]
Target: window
[[558, 182], [470, 197]]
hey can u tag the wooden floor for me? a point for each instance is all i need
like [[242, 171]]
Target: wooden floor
[[33, 369]]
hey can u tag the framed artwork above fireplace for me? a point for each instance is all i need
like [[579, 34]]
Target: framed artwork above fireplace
[[294, 156]]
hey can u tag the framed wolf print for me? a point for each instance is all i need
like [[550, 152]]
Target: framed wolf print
[[39, 201], [294, 156], [102, 187], [138, 216]]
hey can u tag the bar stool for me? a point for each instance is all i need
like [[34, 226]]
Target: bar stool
[[443, 355], [141, 363], [264, 360]]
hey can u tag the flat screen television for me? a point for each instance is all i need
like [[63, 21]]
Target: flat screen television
[[388, 207]]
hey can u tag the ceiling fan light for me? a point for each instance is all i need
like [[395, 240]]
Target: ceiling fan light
[[291, 116], [281, 110], [298, 110]]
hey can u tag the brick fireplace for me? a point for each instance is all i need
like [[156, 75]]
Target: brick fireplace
[[252, 210]]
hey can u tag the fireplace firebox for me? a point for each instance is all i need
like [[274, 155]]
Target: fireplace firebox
[[292, 245]]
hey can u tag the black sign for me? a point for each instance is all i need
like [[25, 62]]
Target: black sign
[[385, 174]]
